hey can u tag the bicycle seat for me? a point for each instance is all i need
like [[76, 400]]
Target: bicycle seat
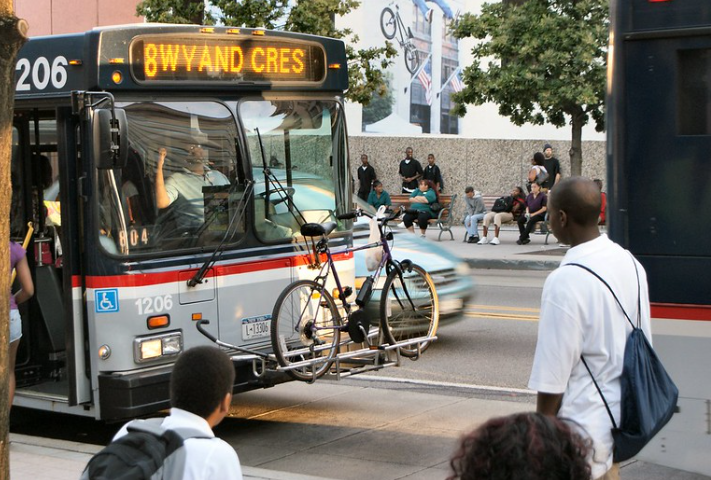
[[317, 229]]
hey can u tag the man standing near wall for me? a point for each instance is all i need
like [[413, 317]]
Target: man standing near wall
[[410, 171], [366, 177], [433, 173], [552, 167]]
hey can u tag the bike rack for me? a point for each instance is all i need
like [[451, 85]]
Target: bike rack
[[344, 364]]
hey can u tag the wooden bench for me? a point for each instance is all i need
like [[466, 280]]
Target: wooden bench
[[444, 218]]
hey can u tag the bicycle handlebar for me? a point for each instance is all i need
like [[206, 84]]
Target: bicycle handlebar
[[362, 213]]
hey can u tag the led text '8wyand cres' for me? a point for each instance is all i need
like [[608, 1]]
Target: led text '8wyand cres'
[[201, 59]]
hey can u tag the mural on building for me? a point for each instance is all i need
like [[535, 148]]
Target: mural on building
[[427, 70]]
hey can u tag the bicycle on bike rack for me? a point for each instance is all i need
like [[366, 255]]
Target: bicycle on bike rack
[[391, 24], [307, 323]]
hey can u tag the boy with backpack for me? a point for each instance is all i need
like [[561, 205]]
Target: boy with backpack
[[182, 445]]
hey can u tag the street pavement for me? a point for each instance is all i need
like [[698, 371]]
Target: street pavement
[[423, 423]]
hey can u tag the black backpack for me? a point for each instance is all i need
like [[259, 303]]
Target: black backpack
[[147, 451], [502, 204]]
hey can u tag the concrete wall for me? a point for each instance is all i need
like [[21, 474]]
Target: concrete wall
[[491, 166]]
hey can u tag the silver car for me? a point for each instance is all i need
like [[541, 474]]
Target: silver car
[[451, 275]]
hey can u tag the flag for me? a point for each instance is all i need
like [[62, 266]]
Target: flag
[[425, 78], [457, 84]]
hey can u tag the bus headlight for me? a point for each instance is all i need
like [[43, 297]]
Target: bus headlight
[[157, 346]]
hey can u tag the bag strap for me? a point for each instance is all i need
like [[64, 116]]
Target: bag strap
[[154, 426], [639, 323]]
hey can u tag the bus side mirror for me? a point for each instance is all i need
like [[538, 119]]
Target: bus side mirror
[[110, 138]]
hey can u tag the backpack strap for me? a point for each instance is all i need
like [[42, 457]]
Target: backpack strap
[[639, 323]]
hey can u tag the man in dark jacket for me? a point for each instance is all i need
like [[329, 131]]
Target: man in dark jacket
[[433, 173], [410, 172], [552, 167], [366, 177]]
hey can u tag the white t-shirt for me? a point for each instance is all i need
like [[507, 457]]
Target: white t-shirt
[[580, 316], [205, 458]]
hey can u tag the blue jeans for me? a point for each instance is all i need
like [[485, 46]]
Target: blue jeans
[[442, 4], [471, 223]]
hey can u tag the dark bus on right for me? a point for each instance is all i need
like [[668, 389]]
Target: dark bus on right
[[659, 179]]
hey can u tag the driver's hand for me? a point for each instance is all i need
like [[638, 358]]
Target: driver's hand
[[161, 157]]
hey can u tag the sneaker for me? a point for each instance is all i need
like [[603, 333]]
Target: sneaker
[[428, 15], [483, 241], [422, 235], [519, 242], [495, 241], [526, 241]]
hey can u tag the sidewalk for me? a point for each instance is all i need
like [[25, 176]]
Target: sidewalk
[[36, 458], [507, 255]]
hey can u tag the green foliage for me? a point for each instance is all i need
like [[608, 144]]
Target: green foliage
[[317, 17], [381, 105], [539, 61]]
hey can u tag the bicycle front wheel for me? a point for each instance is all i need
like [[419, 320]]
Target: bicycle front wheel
[[305, 330], [409, 308], [387, 23], [412, 59]]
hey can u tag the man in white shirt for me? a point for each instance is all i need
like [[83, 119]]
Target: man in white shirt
[[579, 316], [201, 396]]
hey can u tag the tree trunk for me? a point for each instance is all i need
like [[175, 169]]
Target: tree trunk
[[12, 32], [576, 146]]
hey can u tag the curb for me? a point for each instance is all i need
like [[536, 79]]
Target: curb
[[512, 264]]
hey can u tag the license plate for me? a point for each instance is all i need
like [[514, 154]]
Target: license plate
[[256, 327], [449, 306]]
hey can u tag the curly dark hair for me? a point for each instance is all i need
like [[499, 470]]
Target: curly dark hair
[[523, 446]]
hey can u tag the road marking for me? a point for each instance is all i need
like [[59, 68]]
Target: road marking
[[429, 383], [475, 311]]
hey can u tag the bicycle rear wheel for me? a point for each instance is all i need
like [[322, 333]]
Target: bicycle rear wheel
[[409, 308], [412, 59], [304, 330], [387, 23]]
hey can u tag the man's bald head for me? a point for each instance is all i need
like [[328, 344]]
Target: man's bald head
[[579, 198]]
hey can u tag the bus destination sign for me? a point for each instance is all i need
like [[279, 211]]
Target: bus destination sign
[[202, 59]]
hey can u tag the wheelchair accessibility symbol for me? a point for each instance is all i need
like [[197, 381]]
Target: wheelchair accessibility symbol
[[106, 301]]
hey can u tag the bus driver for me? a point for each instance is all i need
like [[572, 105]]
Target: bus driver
[[187, 183]]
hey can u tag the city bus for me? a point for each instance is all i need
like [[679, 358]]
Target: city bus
[[659, 176], [165, 171]]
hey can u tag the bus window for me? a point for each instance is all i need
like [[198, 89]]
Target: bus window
[[299, 138], [198, 175]]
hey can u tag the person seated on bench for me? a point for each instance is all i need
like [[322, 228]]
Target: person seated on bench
[[474, 213], [378, 196], [517, 206], [603, 205], [536, 206], [420, 211]]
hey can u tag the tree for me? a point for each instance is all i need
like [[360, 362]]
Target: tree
[[545, 62], [317, 17], [381, 105], [13, 33]]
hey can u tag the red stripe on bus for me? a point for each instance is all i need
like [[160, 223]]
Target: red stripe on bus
[[681, 311], [146, 279]]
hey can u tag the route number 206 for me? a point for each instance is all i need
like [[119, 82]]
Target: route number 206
[[41, 73]]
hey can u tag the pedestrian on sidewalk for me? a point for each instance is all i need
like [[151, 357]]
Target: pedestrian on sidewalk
[[366, 177], [474, 213], [552, 165], [524, 445], [410, 172], [581, 322], [433, 173], [18, 262], [200, 396], [516, 206]]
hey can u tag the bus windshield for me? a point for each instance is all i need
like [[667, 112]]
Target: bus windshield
[[185, 182]]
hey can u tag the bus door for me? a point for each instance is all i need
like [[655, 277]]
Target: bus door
[[49, 365], [667, 189]]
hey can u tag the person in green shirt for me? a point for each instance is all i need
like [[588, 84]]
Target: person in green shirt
[[378, 196], [420, 211]]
